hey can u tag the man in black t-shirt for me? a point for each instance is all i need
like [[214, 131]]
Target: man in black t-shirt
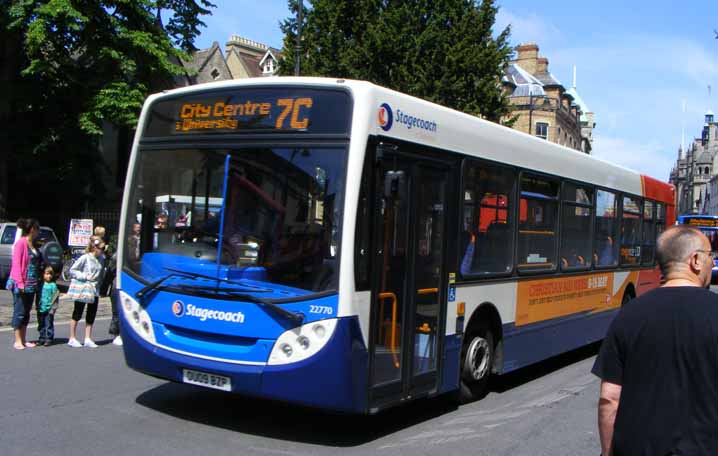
[[659, 361]]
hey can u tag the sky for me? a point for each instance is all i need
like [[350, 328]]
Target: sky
[[647, 69]]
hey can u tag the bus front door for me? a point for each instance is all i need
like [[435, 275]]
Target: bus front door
[[409, 285]]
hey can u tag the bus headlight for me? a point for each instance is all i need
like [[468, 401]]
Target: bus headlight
[[138, 317], [300, 343]]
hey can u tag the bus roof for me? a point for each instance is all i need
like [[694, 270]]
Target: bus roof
[[412, 119]]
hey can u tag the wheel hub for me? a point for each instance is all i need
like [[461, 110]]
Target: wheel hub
[[478, 358]]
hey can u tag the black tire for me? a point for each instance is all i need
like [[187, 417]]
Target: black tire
[[627, 297], [477, 360]]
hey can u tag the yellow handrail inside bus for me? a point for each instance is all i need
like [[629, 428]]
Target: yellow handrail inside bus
[[392, 296], [423, 291]]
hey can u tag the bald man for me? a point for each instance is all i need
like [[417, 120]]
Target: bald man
[[659, 361]]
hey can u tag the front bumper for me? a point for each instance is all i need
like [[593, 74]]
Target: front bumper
[[334, 378]]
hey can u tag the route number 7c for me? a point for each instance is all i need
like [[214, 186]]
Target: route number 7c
[[293, 106]]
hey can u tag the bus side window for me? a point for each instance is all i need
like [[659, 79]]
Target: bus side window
[[605, 228], [536, 250], [576, 226], [631, 231], [649, 233], [486, 244]]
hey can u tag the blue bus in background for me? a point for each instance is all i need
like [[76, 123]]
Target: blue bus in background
[[708, 224]]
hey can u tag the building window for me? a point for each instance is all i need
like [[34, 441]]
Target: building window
[[215, 74], [542, 130], [269, 66]]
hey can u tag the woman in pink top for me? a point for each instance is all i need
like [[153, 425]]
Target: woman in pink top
[[23, 279]]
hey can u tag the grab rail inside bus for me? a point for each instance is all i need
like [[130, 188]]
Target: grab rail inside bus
[[392, 346], [423, 291]]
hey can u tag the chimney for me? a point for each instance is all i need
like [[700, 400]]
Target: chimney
[[541, 65], [527, 56]]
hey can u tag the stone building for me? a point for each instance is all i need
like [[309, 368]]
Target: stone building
[[542, 105], [206, 65], [250, 59], [694, 175]]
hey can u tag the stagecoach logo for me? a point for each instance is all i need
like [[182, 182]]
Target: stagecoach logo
[[202, 314], [386, 117], [178, 308]]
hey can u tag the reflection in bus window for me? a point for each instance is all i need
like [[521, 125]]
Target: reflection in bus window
[[281, 215], [279, 212]]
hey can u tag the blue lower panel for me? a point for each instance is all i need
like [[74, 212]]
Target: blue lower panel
[[451, 363], [158, 362], [532, 343], [335, 378]]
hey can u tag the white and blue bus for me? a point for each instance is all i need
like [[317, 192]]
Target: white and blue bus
[[340, 245]]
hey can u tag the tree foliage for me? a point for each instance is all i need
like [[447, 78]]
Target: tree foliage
[[440, 50], [71, 66]]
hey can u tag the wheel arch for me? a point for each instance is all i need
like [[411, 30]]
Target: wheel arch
[[630, 290], [487, 313]]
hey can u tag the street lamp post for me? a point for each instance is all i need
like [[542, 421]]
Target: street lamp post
[[298, 47]]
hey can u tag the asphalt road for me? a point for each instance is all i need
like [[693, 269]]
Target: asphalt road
[[63, 401]]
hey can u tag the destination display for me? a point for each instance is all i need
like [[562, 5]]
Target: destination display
[[249, 110], [701, 222]]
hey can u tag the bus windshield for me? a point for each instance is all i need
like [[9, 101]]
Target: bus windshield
[[270, 214]]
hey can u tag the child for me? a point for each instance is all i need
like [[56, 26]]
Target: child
[[49, 298]]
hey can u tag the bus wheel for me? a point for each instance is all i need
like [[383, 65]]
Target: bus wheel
[[478, 359], [626, 299]]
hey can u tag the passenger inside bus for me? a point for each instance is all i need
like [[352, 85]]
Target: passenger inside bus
[[605, 255]]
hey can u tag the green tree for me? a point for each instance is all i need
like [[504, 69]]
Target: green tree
[[70, 66], [440, 50]]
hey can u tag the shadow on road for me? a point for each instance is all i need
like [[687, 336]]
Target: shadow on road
[[500, 384], [306, 425], [283, 421]]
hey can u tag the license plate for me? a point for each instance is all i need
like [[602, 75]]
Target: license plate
[[205, 379]]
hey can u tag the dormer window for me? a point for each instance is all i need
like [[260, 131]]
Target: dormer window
[[269, 66], [215, 73]]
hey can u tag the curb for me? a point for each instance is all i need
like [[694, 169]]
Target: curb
[[57, 323]]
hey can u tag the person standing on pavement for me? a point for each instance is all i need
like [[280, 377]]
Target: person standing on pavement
[[49, 298], [659, 361], [23, 280], [101, 233], [86, 270], [133, 247]]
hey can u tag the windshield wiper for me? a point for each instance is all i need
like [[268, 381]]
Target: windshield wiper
[[296, 317], [248, 287], [194, 275], [153, 285]]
